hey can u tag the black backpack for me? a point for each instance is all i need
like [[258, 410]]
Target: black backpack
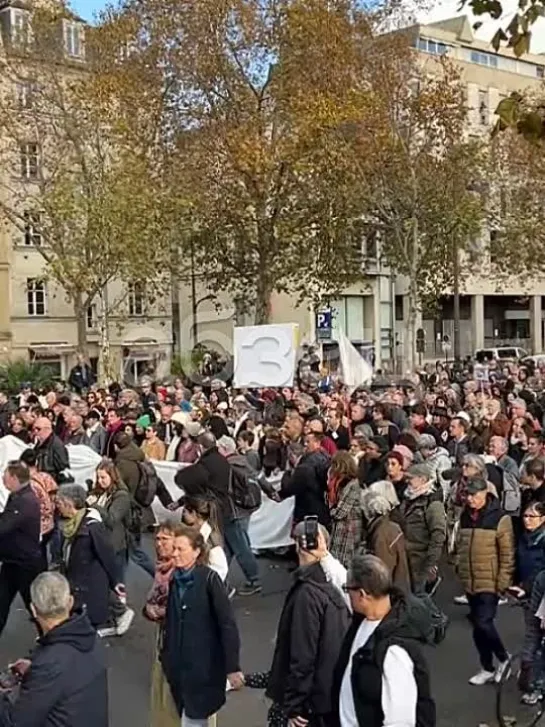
[[147, 484], [437, 621], [244, 489]]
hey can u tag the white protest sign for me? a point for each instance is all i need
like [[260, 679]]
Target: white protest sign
[[265, 355]]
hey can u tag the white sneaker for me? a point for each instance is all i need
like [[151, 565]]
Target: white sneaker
[[482, 677], [124, 622], [503, 672], [461, 600]]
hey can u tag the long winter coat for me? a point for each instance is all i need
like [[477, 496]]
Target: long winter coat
[[89, 565], [425, 526], [200, 643]]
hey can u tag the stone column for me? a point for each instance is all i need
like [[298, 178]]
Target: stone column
[[477, 321], [377, 332]]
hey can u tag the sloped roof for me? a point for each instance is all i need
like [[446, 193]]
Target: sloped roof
[[459, 26]]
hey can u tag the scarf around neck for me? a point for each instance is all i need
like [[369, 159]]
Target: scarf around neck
[[70, 526]]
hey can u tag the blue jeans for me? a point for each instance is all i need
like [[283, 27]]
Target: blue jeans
[[482, 612], [237, 545], [139, 556]]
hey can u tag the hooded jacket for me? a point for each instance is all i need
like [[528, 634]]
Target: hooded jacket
[[66, 684], [425, 527], [126, 460], [439, 462], [406, 625], [312, 626]]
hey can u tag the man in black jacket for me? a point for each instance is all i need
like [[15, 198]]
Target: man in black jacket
[[307, 482], [372, 467], [81, 376], [312, 626], [65, 682], [211, 477], [51, 453], [20, 551], [381, 676]]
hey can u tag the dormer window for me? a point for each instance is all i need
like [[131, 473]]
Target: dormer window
[[73, 39], [20, 27]]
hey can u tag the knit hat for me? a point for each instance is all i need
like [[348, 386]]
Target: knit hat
[[476, 484], [144, 421], [406, 453], [426, 441], [419, 470]]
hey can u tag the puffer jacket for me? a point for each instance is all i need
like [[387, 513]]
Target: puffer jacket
[[485, 549], [438, 462], [424, 524]]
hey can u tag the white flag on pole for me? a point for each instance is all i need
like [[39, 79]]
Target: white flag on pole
[[356, 371]]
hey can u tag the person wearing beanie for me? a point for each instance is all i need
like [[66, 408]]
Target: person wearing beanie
[[437, 459], [406, 453], [372, 466]]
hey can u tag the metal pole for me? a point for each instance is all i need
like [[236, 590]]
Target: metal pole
[[194, 304], [456, 286]]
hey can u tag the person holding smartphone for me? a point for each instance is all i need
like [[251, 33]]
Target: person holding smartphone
[[312, 626]]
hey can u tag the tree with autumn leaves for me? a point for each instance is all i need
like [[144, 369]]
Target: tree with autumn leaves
[[73, 177], [253, 138], [295, 129]]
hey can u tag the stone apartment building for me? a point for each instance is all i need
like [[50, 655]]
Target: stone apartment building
[[36, 320]]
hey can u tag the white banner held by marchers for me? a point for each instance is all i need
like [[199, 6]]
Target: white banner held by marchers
[[356, 371], [270, 526], [265, 355]]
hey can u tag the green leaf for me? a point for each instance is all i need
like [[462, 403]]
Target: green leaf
[[496, 41], [531, 126], [522, 44], [508, 110], [534, 12]]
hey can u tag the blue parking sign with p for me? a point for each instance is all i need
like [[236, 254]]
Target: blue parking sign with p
[[324, 324]]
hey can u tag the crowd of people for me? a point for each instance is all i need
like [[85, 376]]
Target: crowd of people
[[389, 485]]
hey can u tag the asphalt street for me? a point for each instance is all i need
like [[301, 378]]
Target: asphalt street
[[451, 663]]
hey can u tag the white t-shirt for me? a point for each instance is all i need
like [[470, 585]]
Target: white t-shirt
[[399, 690]]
